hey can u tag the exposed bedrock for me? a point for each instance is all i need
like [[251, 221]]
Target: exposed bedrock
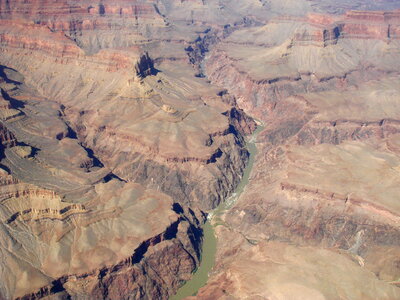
[[167, 159], [84, 22], [291, 55], [174, 174], [325, 180], [72, 228], [115, 146], [99, 151], [143, 275]]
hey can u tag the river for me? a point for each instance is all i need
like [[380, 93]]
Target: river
[[209, 250]]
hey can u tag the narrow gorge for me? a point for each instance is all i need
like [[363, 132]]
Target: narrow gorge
[[200, 149], [209, 243]]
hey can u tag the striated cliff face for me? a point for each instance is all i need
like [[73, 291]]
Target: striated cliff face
[[70, 227], [112, 152], [324, 187], [366, 25], [143, 96], [90, 24], [123, 123]]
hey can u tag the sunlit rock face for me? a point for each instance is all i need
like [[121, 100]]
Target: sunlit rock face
[[326, 175], [123, 123], [112, 151]]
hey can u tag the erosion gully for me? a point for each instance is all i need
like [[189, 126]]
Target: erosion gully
[[209, 250]]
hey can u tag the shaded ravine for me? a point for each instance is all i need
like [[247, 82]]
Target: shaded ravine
[[209, 249]]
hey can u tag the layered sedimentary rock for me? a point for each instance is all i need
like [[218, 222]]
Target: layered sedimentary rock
[[72, 227], [325, 183], [112, 152], [83, 21], [122, 124]]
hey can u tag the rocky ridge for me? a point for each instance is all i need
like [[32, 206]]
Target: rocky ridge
[[59, 205], [82, 183], [115, 147], [325, 178]]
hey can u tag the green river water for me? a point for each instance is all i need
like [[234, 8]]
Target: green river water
[[209, 249]]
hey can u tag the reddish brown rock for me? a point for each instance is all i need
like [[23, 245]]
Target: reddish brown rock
[[115, 147]]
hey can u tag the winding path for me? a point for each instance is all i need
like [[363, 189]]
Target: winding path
[[209, 250]]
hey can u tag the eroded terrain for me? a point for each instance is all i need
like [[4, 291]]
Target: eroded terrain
[[123, 123]]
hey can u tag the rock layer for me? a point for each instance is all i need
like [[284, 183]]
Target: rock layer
[[326, 174], [102, 138], [114, 147], [60, 205]]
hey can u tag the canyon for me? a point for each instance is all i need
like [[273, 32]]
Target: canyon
[[125, 124]]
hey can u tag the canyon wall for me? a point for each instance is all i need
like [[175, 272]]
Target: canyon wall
[[322, 197], [112, 151], [123, 124]]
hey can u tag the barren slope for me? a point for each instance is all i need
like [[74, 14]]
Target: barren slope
[[323, 196], [115, 147]]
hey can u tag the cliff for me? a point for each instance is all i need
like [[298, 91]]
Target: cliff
[[70, 227], [366, 25], [329, 138], [123, 124], [113, 154]]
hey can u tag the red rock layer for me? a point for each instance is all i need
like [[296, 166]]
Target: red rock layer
[[79, 15], [38, 38], [354, 24], [54, 9]]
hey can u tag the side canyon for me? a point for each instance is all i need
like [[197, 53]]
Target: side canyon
[[124, 124]]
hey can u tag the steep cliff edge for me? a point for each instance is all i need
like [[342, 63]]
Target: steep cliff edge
[[111, 154], [322, 198], [69, 226], [122, 124]]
